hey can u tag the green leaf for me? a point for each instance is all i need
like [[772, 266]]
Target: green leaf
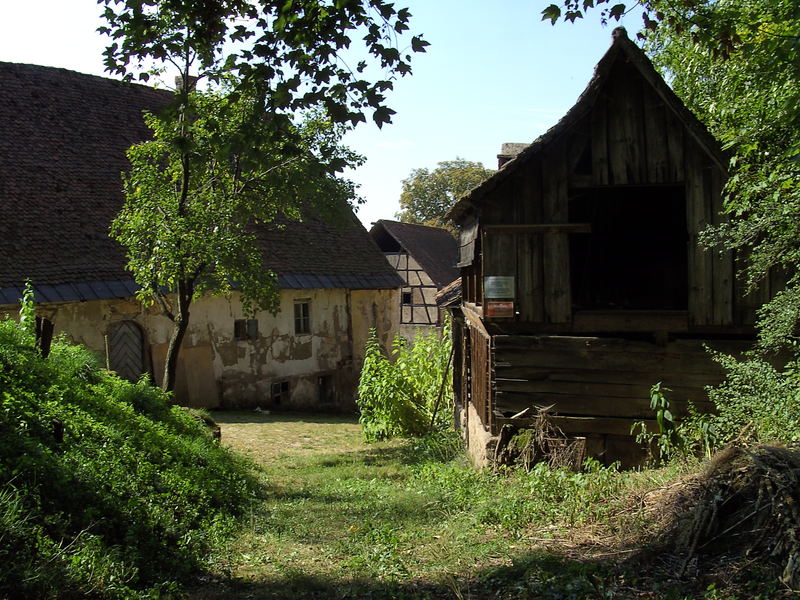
[[418, 44], [551, 13], [617, 11]]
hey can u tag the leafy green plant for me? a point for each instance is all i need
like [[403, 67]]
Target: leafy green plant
[[757, 403], [27, 310], [108, 489], [666, 439], [406, 394]]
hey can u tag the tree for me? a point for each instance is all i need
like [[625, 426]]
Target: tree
[[428, 196], [736, 64], [223, 160]]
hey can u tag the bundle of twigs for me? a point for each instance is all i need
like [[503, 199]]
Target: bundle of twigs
[[748, 508], [539, 441]]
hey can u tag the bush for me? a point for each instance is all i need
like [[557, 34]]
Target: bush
[[108, 490], [408, 394], [756, 403]]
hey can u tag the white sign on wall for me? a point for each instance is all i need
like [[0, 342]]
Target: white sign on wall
[[498, 286]]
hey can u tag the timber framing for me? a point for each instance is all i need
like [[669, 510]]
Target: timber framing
[[425, 259]]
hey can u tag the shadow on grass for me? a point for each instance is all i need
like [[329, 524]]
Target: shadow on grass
[[534, 575], [228, 417]]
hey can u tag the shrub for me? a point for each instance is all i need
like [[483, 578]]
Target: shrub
[[756, 403], [131, 496], [408, 393]]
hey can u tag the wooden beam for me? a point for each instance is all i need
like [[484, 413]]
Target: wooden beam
[[474, 316], [572, 425], [540, 228]]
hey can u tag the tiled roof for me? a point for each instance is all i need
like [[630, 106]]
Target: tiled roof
[[435, 249], [334, 251], [63, 137]]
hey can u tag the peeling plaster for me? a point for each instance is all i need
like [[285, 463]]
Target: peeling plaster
[[222, 371]]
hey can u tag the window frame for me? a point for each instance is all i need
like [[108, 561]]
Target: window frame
[[302, 316]]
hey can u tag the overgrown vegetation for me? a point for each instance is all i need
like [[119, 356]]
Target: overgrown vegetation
[[408, 393], [412, 519], [107, 490]]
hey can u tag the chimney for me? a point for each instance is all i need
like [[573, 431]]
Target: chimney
[[509, 151], [179, 82]]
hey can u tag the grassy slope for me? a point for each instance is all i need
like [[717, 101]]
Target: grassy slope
[[128, 502], [349, 520]]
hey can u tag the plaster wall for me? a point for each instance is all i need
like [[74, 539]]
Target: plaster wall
[[216, 370], [480, 442]]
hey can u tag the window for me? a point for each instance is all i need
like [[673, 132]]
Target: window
[[302, 320], [406, 298], [280, 392], [245, 329]]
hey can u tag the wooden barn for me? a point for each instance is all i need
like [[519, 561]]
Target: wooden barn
[[583, 281]]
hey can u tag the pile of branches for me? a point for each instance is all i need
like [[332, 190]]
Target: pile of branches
[[747, 510], [539, 441]]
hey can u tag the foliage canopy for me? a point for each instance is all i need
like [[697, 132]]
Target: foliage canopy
[[428, 195], [224, 160], [201, 236], [298, 53]]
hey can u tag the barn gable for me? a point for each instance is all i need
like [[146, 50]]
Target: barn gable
[[628, 176], [583, 279]]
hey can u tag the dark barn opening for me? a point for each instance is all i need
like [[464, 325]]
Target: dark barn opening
[[635, 257]]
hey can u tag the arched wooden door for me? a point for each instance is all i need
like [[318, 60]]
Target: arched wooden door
[[126, 350]]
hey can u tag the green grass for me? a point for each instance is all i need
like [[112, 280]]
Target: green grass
[[107, 490], [345, 519]]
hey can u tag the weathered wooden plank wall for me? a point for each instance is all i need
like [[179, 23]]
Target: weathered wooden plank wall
[[481, 374], [555, 250], [602, 377], [632, 137]]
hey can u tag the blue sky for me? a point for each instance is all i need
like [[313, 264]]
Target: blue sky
[[494, 73]]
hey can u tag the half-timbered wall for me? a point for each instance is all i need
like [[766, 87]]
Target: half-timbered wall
[[417, 297]]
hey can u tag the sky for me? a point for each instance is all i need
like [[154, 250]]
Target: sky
[[494, 73]]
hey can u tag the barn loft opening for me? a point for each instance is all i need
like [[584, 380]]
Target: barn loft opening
[[635, 257]]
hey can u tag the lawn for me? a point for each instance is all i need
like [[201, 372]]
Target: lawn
[[345, 519], [342, 518]]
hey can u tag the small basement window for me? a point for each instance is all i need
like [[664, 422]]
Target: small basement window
[[280, 392], [636, 256], [245, 329], [302, 319]]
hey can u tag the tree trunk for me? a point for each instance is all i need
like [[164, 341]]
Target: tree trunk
[[180, 325]]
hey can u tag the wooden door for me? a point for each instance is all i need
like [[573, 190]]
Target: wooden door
[[126, 350]]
